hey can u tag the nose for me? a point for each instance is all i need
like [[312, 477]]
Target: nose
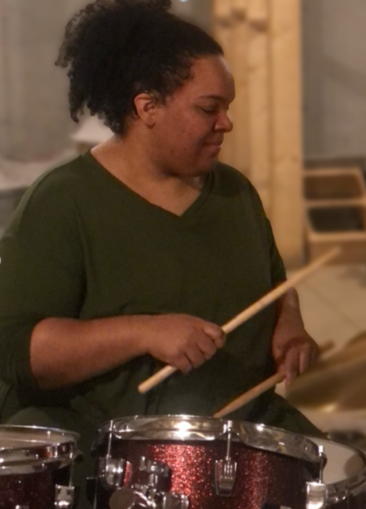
[[224, 122]]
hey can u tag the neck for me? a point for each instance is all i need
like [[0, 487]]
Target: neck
[[134, 165], [136, 168]]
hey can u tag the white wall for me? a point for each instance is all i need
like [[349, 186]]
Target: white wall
[[334, 78]]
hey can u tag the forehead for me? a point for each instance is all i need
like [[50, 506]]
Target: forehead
[[211, 78]]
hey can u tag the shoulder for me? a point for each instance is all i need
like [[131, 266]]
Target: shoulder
[[60, 179], [231, 182], [50, 197]]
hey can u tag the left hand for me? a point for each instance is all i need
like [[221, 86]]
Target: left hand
[[293, 349], [295, 355]]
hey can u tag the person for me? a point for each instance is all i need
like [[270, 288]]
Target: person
[[133, 255]]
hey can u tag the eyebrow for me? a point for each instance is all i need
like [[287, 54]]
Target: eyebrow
[[217, 97]]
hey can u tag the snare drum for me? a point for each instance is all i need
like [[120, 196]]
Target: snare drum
[[181, 462], [36, 467], [344, 475]]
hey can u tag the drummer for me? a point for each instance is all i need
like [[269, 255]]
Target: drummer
[[131, 256]]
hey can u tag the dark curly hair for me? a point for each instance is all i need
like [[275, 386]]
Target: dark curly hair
[[116, 49]]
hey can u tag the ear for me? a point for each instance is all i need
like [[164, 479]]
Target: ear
[[146, 106]]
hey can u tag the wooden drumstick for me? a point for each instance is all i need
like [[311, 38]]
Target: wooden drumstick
[[270, 297], [259, 389]]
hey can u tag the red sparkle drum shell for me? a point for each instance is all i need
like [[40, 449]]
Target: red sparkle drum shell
[[273, 466], [344, 475], [33, 461]]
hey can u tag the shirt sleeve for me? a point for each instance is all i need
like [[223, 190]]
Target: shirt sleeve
[[278, 271], [41, 274], [277, 267]]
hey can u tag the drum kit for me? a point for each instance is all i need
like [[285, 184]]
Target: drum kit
[[193, 462], [182, 462]]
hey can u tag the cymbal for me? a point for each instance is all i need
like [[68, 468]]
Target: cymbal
[[335, 383]]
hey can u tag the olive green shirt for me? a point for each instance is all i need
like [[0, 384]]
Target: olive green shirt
[[83, 245]]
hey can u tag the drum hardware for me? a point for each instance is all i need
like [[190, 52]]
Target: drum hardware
[[317, 491], [64, 498], [111, 471], [145, 493], [225, 470], [34, 462], [187, 462], [316, 495], [322, 463]]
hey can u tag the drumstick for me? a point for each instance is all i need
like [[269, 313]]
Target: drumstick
[[259, 389], [270, 297]]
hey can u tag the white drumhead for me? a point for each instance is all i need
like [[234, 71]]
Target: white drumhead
[[343, 462], [26, 449], [21, 437]]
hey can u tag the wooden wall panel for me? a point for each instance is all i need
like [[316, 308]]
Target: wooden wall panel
[[258, 100], [286, 130]]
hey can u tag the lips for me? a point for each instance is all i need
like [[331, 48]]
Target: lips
[[217, 143]]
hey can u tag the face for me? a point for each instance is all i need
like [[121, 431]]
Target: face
[[190, 126]]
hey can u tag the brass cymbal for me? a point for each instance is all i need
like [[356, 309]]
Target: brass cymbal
[[335, 383]]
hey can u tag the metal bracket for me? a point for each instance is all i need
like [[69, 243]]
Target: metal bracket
[[316, 495], [173, 501], [225, 470], [111, 472], [151, 491], [323, 462], [64, 498]]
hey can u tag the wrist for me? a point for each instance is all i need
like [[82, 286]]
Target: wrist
[[143, 327]]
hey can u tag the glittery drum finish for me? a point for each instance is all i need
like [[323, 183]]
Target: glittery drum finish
[[262, 476], [36, 491], [33, 461]]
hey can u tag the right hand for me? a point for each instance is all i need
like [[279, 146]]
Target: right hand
[[183, 341]]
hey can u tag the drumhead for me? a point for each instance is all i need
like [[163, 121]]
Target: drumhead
[[193, 428], [26, 448], [345, 469]]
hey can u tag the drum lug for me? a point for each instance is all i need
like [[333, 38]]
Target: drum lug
[[151, 491], [173, 501], [112, 472], [64, 497], [153, 475], [128, 498], [225, 470], [322, 462], [316, 495]]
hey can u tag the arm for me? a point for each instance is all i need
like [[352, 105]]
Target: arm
[[68, 351], [43, 283], [292, 347]]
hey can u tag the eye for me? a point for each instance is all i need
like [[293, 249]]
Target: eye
[[209, 111]]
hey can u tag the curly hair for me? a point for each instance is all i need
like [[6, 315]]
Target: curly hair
[[115, 49]]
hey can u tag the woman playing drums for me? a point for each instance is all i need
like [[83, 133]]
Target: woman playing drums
[[126, 258]]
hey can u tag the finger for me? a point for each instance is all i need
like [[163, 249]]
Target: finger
[[183, 364], [207, 347], [215, 333], [292, 365], [305, 359], [195, 356]]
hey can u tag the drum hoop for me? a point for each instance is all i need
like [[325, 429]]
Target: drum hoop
[[60, 447], [35, 466], [354, 485], [195, 428]]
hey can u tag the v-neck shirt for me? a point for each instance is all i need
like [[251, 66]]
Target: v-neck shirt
[[84, 245]]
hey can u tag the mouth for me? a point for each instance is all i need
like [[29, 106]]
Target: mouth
[[215, 146]]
